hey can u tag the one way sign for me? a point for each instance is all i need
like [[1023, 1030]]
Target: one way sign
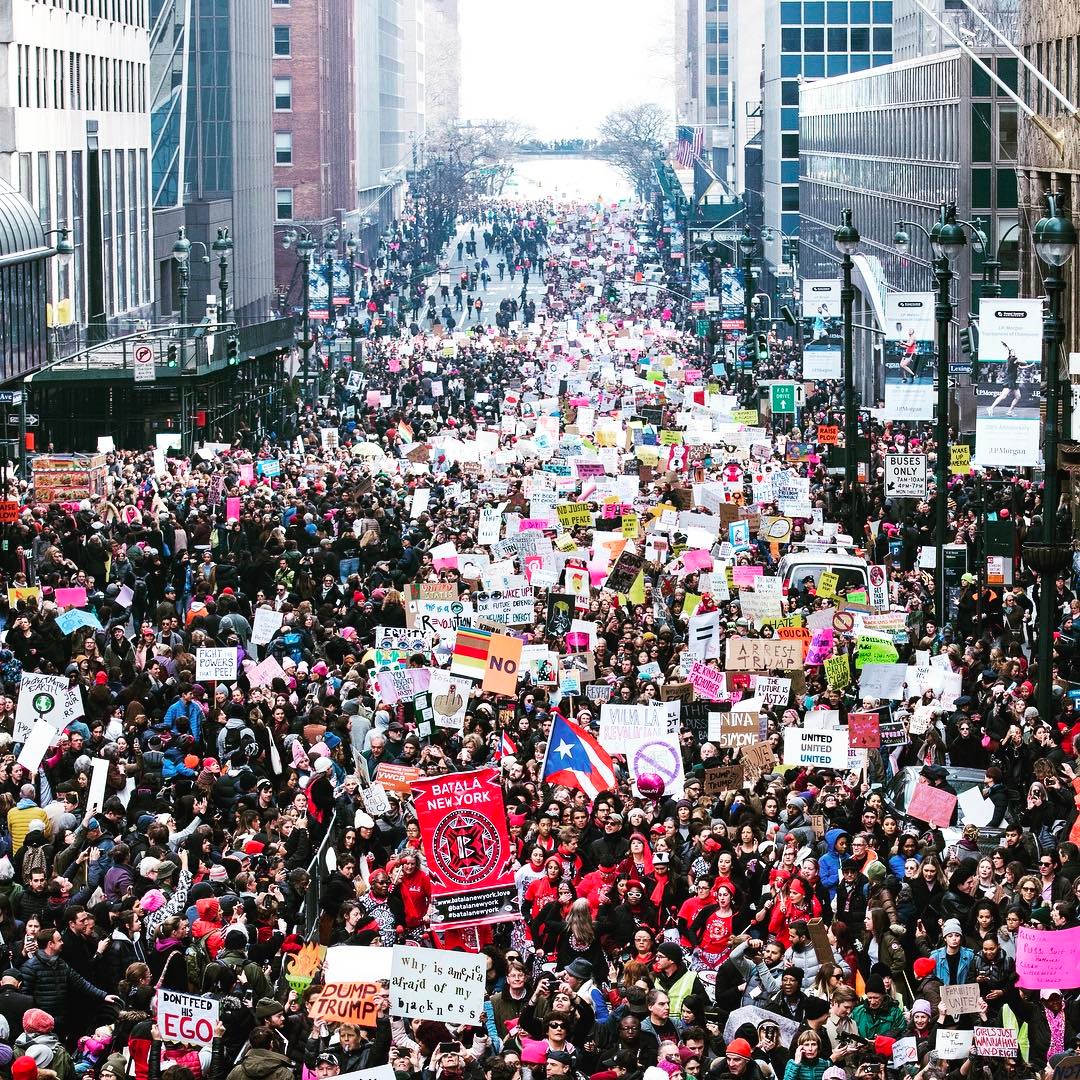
[[32, 419], [905, 476]]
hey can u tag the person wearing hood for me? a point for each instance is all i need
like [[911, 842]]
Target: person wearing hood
[[836, 847], [22, 814], [958, 900], [40, 1043]]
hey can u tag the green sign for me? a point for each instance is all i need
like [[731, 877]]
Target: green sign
[[703, 328], [783, 398]]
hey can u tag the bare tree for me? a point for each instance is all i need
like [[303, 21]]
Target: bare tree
[[633, 137]]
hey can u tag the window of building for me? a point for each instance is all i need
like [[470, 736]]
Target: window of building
[[814, 66], [789, 146], [860, 11], [789, 92], [837, 39], [283, 41], [860, 39], [814, 12], [283, 148], [282, 3], [283, 199], [836, 64], [1006, 189], [1007, 132], [791, 39], [883, 11], [882, 38], [790, 13], [789, 198], [282, 94], [837, 11]]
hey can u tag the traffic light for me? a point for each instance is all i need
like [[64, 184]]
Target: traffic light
[[969, 347], [762, 348], [174, 356], [232, 350]]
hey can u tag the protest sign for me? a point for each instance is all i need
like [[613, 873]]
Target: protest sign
[[961, 998], [863, 731], [215, 665], [756, 759], [953, 1045], [449, 698], [658, 753], [837, 672], [995, 1042], [186, 1018], [826, 749], [1048, 958], [41, 697], [503, 663], [751, 1014], [36, 745], [762, 654], [931, 804], [346, 1003], [722, 778], [463, 822], [399, 778], [96, 797], [266, 624], [433, 984], [773, 690], [356, 963], [734, 728]]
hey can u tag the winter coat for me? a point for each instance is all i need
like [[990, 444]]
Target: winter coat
[[50, 982], [262, 1065]]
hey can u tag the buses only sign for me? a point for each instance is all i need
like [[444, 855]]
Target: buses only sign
[[905, 476]]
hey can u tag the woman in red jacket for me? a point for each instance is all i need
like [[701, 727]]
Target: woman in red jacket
[[793, 903], [414, 887]]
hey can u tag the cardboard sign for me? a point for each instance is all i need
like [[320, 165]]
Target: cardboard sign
[[730, 729], [864, 731], [757, 760], [186, 1018], [433, 984], [723, 778], [961, 998], [503, 665], [346, 1003], [932, 805], [762, 654]]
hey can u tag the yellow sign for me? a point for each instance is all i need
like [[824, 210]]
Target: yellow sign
[[573, 515], [631, 526], [670, 438], [837, 672], [960, 459], [744, 416], [15, 595], [827, 583]]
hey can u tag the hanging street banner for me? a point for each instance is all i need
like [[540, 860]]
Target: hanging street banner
[[910, 356], [823, 329], [463, 821], [1007, 428]]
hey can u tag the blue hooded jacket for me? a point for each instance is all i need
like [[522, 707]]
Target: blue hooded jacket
[[829, 863]]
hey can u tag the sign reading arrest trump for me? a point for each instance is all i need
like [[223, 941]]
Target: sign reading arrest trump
[[762, 654]]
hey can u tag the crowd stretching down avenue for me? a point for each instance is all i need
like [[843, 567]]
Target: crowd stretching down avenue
[[533, 706]]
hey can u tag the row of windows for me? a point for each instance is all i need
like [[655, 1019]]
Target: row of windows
[[938, 80], [835, 12], [916, 132], [1059, 61], [129, 12], [898, 179], [716, 34], [814, 65], [840, 39], [57, 79]]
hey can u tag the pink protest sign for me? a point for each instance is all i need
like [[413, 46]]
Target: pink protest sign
[[393, 364], [743, 576], [71, 597], [1048, 958], [932, 805], [821, 647], [697, 560], [232, 508], [247, 474]]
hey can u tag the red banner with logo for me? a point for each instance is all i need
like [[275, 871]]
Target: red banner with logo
[[462, 819]]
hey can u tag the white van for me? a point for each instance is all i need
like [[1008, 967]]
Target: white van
[[796, 566]]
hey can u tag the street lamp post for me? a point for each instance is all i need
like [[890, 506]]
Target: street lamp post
[[947, 240], [1055, 241], [748, 243], [350, 254], [222, 246], [181, 251], [846, 239], [305, 245]]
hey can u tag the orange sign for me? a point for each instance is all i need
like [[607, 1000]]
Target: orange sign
[[397, 777], [503, 662], [828, 434], [9, 512], [346, 1003]]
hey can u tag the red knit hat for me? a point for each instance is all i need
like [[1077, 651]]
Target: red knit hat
[[24, 1068], [740, 1047], [924, 966]]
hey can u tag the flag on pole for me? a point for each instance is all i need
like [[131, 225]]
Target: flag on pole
[[575, 759], [691, 140]]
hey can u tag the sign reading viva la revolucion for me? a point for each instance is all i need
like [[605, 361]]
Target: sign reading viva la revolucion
[[1007, 392], [462, 819]]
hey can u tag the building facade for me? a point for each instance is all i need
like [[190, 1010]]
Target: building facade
[[213, 146], [747, 42], [702, 66], [1049, 38], [442, 61], [808, 40], [75, 142], [893, 144]]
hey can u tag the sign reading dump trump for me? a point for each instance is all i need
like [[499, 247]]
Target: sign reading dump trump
[[432, 984]]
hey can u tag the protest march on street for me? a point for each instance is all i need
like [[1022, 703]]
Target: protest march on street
[[541, 703]]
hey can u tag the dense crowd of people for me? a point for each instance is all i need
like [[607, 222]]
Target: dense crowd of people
[[793, 923]]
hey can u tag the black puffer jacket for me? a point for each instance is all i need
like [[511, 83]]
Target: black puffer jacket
[[49, 981]]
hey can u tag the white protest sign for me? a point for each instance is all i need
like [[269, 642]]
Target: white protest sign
[[449, 698], [433, 984], [186, 1018], [41, 697], [375, 800], [356, 963], [953, 1045], [380, 1072], [266, 624], [660, 754], [825, 749], [95, 800], [37, 742], [217, 665]]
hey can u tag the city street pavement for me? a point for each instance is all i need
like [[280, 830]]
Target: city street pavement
[[497, 291]]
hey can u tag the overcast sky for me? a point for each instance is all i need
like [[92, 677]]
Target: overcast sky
[[561, 66]]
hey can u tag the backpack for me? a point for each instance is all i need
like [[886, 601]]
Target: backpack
[[233, 740], [34, 859]]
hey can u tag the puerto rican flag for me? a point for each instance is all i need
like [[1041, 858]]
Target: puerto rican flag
[[575, 759], [506, 747]]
